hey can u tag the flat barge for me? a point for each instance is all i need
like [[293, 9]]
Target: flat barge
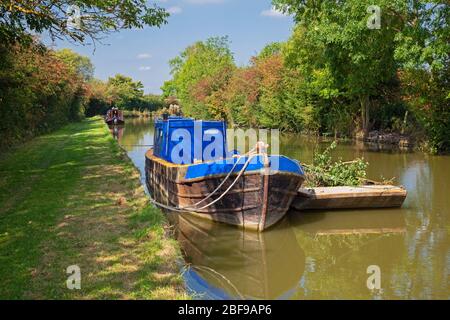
[[362, 197]]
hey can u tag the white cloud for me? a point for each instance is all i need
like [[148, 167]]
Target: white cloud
[[174, 10], [144, 68], [204, 1], [273, 13], [144, 56]]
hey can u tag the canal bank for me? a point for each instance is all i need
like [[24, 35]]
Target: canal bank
[[73, 198]]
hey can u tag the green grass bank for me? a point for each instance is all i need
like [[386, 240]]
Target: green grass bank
[[73, 197]]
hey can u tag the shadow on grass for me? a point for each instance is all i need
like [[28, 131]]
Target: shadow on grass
[[74, 198]]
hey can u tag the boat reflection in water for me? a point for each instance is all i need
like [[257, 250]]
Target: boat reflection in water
[[228, 263], [308, 256], [349, 222], [116, 131]]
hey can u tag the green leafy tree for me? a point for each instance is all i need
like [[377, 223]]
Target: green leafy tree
[[198, 72], [125, 93], [357, 58], [270, 50], [152, 102], [78, 64], [120, 91], [362, 64], [75, 20], [38, 93], [99, 100]]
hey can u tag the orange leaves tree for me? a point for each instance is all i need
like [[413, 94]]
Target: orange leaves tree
[[38, 92]]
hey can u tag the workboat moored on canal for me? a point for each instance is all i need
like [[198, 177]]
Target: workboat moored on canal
[[114, 116], [189, 169]]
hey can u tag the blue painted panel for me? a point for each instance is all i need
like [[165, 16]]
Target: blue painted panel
[[278, 163], [184, 140]]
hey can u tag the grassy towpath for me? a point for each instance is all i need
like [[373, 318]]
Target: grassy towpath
[[74, 198]]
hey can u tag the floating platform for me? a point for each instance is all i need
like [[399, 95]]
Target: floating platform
[[363, 197]]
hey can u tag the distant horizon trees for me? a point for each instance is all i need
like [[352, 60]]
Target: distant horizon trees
[[122, 92]]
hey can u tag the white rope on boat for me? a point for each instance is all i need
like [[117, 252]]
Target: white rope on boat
[[229, 188], [250, 153]]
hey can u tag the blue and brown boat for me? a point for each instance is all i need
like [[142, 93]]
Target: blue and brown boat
[[189, 169]]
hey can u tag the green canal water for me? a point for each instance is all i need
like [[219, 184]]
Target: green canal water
[[326, 254]]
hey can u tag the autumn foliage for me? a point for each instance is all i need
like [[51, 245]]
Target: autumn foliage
[[38, 92], [334, 76]]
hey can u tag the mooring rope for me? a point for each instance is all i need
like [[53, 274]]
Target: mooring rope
[[251, 152], [229, 188]]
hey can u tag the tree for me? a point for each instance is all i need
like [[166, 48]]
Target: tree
[[270, 50], [198, 72], [98, 99], [38, 93], [79, 64], [357, 58], [413, 36], [122, 92], [74, 20], [423, 49], [152, 102], [125, 93]]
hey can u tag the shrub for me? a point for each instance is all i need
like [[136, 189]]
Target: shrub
[[324, 172]]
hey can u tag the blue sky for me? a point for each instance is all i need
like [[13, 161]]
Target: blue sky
[[144, 54]]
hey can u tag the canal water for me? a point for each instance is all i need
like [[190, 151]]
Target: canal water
[[326, 254]]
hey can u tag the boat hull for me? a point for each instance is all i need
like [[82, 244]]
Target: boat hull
[[111, 122], [256, 201]]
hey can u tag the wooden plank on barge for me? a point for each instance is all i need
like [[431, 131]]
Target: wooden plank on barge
[[345, 197]]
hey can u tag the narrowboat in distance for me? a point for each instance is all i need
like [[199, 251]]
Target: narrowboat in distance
[[252, 191], [114, 116]]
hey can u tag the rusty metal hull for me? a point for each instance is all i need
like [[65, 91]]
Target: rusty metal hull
[[110, 122], [257, 201]]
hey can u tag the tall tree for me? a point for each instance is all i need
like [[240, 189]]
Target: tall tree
[[124, 92], [75, 20], [77, 63], [358, 57], [198, 72], [361, 57]]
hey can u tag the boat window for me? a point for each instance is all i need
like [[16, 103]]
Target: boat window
[[159, 135]]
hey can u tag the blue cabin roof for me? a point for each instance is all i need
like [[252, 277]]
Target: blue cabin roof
[[185, 140]]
